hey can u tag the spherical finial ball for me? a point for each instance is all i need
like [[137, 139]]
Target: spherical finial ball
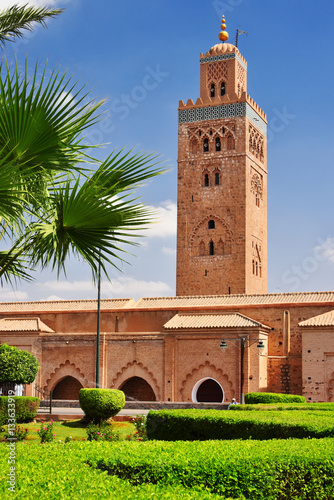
[[223, 26], [223, 36]]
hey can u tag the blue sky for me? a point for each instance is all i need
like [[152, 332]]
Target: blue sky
[[144, 57]]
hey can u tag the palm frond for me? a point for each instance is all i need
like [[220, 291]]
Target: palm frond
[[13, 267], [90, 220], [16, 19]]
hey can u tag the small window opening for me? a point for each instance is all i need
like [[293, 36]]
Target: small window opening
[[211, 248], [206, 180], [222, 89], [210, 132], [205, 272], [218, 144], [212, 90], [223, 130], [217, 179], [206, 145], [211, 224], [200, 133]]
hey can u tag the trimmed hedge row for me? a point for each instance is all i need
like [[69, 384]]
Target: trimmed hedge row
[[273, 470], [272, 397], [193, 425], [26, 409], [60, 471], [256, 470], [285, 407]]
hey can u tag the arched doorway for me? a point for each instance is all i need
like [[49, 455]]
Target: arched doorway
[[208, 390], [137, 389], [67, 388]]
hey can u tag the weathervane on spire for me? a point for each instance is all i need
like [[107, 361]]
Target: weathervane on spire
[[223, 35]]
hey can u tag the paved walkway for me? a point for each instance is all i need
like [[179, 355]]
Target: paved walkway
[[75, 413]]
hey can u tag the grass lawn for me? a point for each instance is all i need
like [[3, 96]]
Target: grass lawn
[[74, 429]]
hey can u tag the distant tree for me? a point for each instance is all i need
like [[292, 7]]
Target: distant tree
[[17, 366]]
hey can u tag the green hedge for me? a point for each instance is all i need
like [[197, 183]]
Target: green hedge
[[272, 397], [271, 470], [192, 425], [285, 407], [101, 404], [26, 409]]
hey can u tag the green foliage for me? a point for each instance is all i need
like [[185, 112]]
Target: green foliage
[[60, 471], [285, 407], [17, 365], [140, 424], [18, 434], [192, 425], [272, 397], [101, 404], [101, 432], [26, 409], [45, 432]]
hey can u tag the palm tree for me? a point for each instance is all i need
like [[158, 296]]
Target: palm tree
[[17, 18], [55, 199]]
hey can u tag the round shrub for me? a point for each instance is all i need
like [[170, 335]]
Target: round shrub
[[26, 409], [271, 397], [17, 366], [101, 404]]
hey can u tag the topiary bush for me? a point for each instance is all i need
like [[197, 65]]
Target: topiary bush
[[17, 366], [272, 397], [101, 404], [26, 409]]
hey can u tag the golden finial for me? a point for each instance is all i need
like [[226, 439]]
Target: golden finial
[[223, 35]]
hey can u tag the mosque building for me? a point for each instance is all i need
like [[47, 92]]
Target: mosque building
[[222, 335]]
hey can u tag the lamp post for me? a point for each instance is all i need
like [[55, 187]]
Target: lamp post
[[244, 342], [97, 370]]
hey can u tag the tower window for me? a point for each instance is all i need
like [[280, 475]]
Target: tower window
[[212, 90], [211, 248], [218, 145], [211, 224], [206, 145], [217, 178], [222, 89], [206, 180]]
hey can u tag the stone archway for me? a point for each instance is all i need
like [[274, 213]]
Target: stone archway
[[204, 372], [64, 370], [208, 390], [137, 389], [136, 370], [67, 388]]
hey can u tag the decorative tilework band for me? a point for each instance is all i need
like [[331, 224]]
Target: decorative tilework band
[[223, 111], [223, 57]]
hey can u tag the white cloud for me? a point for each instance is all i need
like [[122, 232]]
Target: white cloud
[[4, 4], [165, 224], [12, 295], [127, 287], [168, 251], [325, 251]]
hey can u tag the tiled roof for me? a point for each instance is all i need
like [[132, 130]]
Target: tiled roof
[[186, 321], [64, 305], [24, 325], [326, 319], [235, 300]]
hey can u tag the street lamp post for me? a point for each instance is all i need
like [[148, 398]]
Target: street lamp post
[[97, 370], [243, 344]]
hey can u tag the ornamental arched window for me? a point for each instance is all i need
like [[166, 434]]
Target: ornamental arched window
[[211, 224], [222, 89], [211, 248], [217, 179], [206, 145], [212, 90], [218, 144], [206, 180]]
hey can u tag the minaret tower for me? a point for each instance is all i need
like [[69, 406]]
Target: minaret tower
[[222, 182]]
